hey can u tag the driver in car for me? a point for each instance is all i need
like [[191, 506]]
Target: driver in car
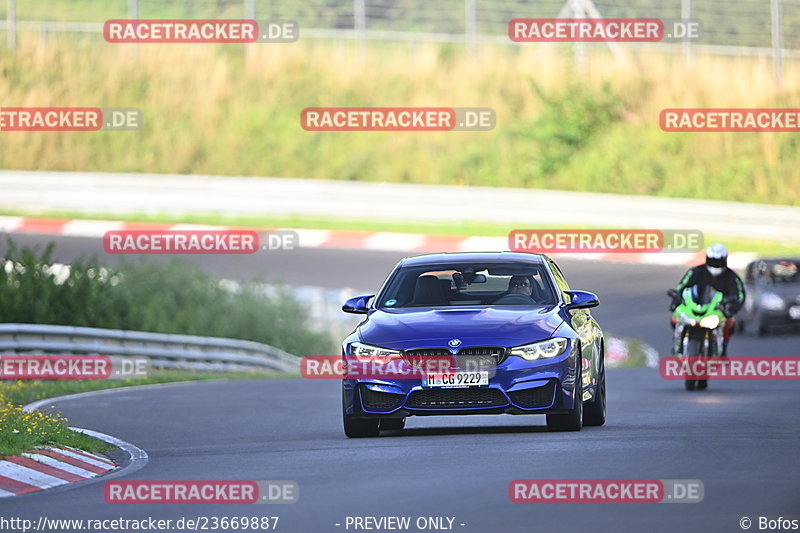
[[520, 285]]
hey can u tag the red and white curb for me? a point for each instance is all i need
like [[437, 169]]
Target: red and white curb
[[353, 240], [49, 467]]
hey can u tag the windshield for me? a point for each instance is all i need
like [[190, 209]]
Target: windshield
[[468, 284], [783, 272], [702, 294]]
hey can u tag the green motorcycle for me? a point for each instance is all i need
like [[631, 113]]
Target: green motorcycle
[[699, 321]]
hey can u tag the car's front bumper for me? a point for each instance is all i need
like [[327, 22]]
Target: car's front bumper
[[517, 387], [778, 318]]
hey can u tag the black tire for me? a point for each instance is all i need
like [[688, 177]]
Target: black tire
[[393, 424], [702, 384], [359, 427], [694, 348], [572, 421], [356, 428], [594, 413]]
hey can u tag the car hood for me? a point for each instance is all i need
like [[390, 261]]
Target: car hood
[[434, 327], [788, 291]]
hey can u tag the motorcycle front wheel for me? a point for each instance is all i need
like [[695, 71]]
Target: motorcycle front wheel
[[694, 348]]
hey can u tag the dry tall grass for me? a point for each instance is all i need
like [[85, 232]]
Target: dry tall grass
[[220, 110]]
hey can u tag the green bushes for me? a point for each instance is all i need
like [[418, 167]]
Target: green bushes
[[568, 122], [165, 297]]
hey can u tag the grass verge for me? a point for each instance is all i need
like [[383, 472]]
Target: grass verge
[[22, 431]]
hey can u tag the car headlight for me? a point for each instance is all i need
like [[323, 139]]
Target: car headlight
[[709, 322], [366, 353], [541, 350], [772, 302]]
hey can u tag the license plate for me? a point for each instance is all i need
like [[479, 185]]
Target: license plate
[[456, 379], [794, 312]]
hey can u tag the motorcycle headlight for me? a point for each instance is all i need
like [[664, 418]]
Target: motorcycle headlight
[[366, 353], [772, 302], [541, 350], [709, 322], [686, 318]]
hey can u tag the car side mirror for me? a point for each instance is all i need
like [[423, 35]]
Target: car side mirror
[[582, 300], [357, 305]]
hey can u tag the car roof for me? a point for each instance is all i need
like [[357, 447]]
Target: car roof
[[475, 257], [772, 260]]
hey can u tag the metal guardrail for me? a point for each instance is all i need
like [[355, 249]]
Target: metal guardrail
[[182, 195], [182, 352]]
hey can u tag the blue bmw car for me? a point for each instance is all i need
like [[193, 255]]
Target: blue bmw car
[[522, 343]]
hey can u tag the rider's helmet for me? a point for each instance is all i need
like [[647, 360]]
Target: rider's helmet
[[716, 259]]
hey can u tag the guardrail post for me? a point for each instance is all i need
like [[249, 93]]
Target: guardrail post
[[360, 23], [11, 23], [133, 14], [249, 14], [777, 39], [470, 24], [686, 14]]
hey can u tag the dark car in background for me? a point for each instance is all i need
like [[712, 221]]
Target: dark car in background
[[773, 296]]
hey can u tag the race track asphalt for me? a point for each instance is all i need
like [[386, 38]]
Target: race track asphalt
[[739, 438]]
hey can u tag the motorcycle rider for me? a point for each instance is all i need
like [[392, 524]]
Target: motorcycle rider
[[714, 272]]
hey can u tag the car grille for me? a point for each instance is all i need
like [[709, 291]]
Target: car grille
[[536, 397], [417, 357], [482, 358], [471, 397], [380, 401]]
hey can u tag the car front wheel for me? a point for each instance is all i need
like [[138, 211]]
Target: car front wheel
[[572, 421], [359, 427], [393, 423], [594, 413]]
